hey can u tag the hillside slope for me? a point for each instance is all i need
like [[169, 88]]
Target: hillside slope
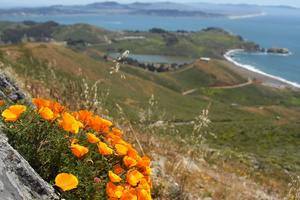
[[254, 128], [212, 42]]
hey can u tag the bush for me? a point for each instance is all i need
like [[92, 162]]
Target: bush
[[82, 154]]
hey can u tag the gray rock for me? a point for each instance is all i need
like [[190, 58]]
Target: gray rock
[[8, 90], [18, 181], [278, 50]]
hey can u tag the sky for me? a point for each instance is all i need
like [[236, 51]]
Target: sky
[[30, 3]]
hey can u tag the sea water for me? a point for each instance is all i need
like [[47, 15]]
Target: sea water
[[270, 30]]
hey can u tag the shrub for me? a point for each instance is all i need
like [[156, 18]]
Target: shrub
[[82, 154]]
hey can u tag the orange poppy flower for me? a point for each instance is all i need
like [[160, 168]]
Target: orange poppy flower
[[107, 122], [114, 191], [133, 153], [74, 141], [78, 150], [92, 138], [148, 179], [117, 169], [144, 185], [117, 131], [13, 112], [113, 139], [99, 124], [133, 177], [104, 149], [121, 149], [143, 194], [129, 195], [39, 102], [114, 177], [146, 171], [144, 162], [129, 162], [2, 102], [69, 123], [83, 116], [56, 107], [66, 181], [46, 113]]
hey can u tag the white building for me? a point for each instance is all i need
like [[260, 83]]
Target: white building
[[205, 59]]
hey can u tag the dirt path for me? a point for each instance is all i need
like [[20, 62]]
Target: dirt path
[[189, 91], [249, 82]]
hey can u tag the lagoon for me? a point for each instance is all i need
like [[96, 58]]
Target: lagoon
[[155, 58], [271, 30]]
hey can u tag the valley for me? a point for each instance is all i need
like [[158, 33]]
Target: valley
[[226, 124]]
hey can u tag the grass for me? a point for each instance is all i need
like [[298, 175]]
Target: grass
[[193, 45], [83, 31], [244, 120], [210, 43], [253, 95], [73, 66]]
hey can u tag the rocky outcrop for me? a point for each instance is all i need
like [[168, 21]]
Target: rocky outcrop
[[8, 90], [276, 50], [18, 180]]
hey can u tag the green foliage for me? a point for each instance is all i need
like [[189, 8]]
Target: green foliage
[[209, 42], [259, 133], [39, 143], [193, 45], [253, 95], [38, 31], [83, 32], [45, 145]]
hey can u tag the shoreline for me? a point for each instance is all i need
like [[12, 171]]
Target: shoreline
[[249, 71], [235, 17]]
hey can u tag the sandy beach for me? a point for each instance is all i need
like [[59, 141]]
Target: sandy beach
[[259, 77]]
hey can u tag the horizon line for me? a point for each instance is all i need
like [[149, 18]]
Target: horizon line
[[128, 3]]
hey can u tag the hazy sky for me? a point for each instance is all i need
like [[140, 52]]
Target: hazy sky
[[28, 3]]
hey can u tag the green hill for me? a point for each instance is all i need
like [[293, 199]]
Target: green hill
[[54, 71], [255, 127], [209, 42], [212, 42]]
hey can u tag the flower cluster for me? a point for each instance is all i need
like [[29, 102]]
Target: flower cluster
[[13, 113], [127, 178]]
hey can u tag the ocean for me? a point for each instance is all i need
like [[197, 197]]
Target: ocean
[[270, 30]]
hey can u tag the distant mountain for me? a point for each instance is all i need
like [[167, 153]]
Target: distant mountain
[[163, 6], [111, 7], [158, 8], [228, 9], [176, 13], [107, 5]]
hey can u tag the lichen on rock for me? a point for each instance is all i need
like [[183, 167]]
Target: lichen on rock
[[18, 180], [8, 90]]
